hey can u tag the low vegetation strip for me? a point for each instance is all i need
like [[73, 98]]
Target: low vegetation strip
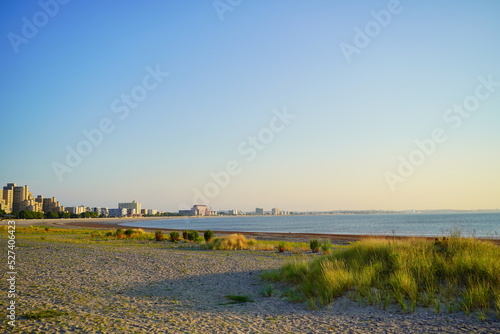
[[450, 274]]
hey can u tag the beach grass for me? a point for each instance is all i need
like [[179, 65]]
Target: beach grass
[[447, 274], [231, 242]]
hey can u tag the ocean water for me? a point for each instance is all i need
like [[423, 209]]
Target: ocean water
[[481, 225]]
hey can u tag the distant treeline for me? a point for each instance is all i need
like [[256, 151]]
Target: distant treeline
[[48, 215]]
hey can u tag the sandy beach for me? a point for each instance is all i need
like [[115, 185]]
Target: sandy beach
[[157, 288]]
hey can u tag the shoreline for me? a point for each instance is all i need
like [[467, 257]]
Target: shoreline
[[116, 223]]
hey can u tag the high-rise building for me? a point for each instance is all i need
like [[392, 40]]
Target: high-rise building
[[2, 201], [133, 208], [23, 200], [276, 211], [8, 197], [259, 211], [19, 198]]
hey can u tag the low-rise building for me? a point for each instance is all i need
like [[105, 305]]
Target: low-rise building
[[120, 212], [51, 205], [76, 210], [198, 210], [101, 211]]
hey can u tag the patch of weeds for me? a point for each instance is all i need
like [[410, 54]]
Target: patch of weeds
[[43, 314], [268, 291], [271, 275], [238, 299], [293, 296]]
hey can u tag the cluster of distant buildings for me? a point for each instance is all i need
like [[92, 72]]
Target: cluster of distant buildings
[[15, 198], [203, 210], [273, 212], [19, 198]]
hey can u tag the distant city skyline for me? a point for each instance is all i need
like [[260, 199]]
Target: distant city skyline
[[16, 198], [297, 105]]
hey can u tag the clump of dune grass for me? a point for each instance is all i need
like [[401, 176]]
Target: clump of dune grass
[[231, 242], [326, 246], [268, 291], [448, 274]]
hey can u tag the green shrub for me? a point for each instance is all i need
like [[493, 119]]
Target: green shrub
[[314, 245], [208, 235], [185, 235], [192, 235], [174, 236], [128, 232], [158, 235]]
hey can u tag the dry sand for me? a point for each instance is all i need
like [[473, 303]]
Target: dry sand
[[158, 289]]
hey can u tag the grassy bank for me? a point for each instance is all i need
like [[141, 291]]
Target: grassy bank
[[450, 274], [140, 237]]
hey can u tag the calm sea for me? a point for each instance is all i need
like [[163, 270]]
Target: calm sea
[[481, 225]]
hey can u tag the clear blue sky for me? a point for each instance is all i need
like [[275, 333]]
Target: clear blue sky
[[354, 115]]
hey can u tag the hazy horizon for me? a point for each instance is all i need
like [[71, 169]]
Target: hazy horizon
[[304, 106]]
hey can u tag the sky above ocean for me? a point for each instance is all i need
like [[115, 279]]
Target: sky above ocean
[[301, 105]]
